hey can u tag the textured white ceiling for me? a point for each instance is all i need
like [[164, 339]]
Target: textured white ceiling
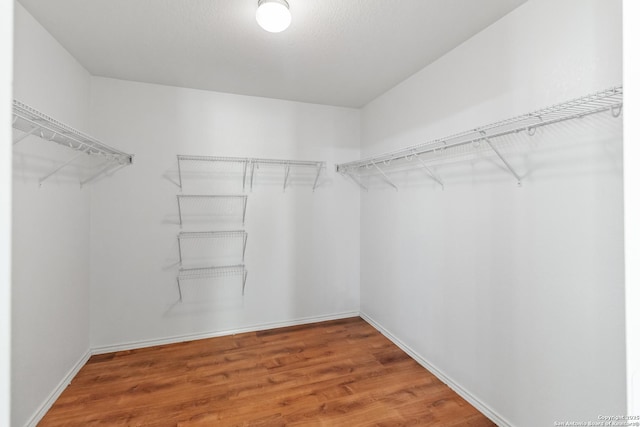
[[337, 52]]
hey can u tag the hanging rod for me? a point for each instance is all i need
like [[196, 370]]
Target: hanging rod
[[33, 122], [606, 100], [211, 272], [249, 163], [186, 235], [241, 197]]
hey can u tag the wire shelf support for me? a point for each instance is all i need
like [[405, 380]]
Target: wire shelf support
[[211, 272]]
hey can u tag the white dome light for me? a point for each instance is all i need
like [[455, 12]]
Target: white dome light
[[273, 15]]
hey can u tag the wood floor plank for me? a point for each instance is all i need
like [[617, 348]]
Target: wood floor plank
[[338, 373]]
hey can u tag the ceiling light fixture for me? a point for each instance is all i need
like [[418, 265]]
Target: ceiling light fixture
[[273, 15]]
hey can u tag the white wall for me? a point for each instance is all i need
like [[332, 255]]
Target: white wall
[[50, 227], [515, 294], [6, 45], [531, 276], [632, 204], [303, 247]]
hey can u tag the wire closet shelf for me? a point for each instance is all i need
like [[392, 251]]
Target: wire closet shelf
[[30, 121], [212, 272], [606, 100], [250, 164]]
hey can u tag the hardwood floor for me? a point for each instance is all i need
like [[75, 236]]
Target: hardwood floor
[[338, 373]]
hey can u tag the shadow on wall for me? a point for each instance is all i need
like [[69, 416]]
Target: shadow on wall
[[42, 163]]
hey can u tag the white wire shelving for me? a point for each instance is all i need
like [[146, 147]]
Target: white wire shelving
[[29, 121], [212, 272], [241, 198], [607, 100], [250, 164], [211, 235]]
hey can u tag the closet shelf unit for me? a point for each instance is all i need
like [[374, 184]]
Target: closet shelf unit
[[212, 235], [238, 197], [212, 272], [603, 101], [249, 164], [30, 121]]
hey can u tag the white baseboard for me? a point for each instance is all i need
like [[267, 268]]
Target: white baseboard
[[40, 413], [191, 337], [466, 395], [469, 397]]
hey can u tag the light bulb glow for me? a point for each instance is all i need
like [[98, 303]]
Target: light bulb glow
[[273, 15]]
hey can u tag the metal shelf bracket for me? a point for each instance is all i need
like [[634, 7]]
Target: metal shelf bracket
[[179, 174], [315, 182], [59, 168], [253, 167], [355, 180], [244, 174], [244, 280], [384, 176], [286, 177], [31, 132], [244, 210], [513, 172], [429, 171]]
